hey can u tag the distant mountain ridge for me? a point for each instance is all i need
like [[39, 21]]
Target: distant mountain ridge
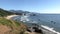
[[17, 12]]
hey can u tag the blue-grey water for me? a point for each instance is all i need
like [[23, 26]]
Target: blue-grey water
[[50, 20]]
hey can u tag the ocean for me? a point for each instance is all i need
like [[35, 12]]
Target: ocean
[[50, 20]]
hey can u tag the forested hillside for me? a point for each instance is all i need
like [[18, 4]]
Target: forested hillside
[[5, 12]]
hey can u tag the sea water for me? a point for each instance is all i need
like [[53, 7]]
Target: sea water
[[50, 20]]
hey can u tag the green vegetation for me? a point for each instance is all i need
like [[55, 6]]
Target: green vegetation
[[5, 12], [8, 22], [16, 28]]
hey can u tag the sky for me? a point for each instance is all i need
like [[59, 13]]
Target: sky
[[40, 6]]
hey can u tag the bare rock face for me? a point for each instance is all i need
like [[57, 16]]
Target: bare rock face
[[34, 30]]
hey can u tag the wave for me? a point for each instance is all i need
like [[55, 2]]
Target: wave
[[50, 29]]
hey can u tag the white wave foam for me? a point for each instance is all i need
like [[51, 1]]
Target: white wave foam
[[24, 18], [50, 29]]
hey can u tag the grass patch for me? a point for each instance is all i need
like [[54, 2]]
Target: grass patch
[[14, 25]]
